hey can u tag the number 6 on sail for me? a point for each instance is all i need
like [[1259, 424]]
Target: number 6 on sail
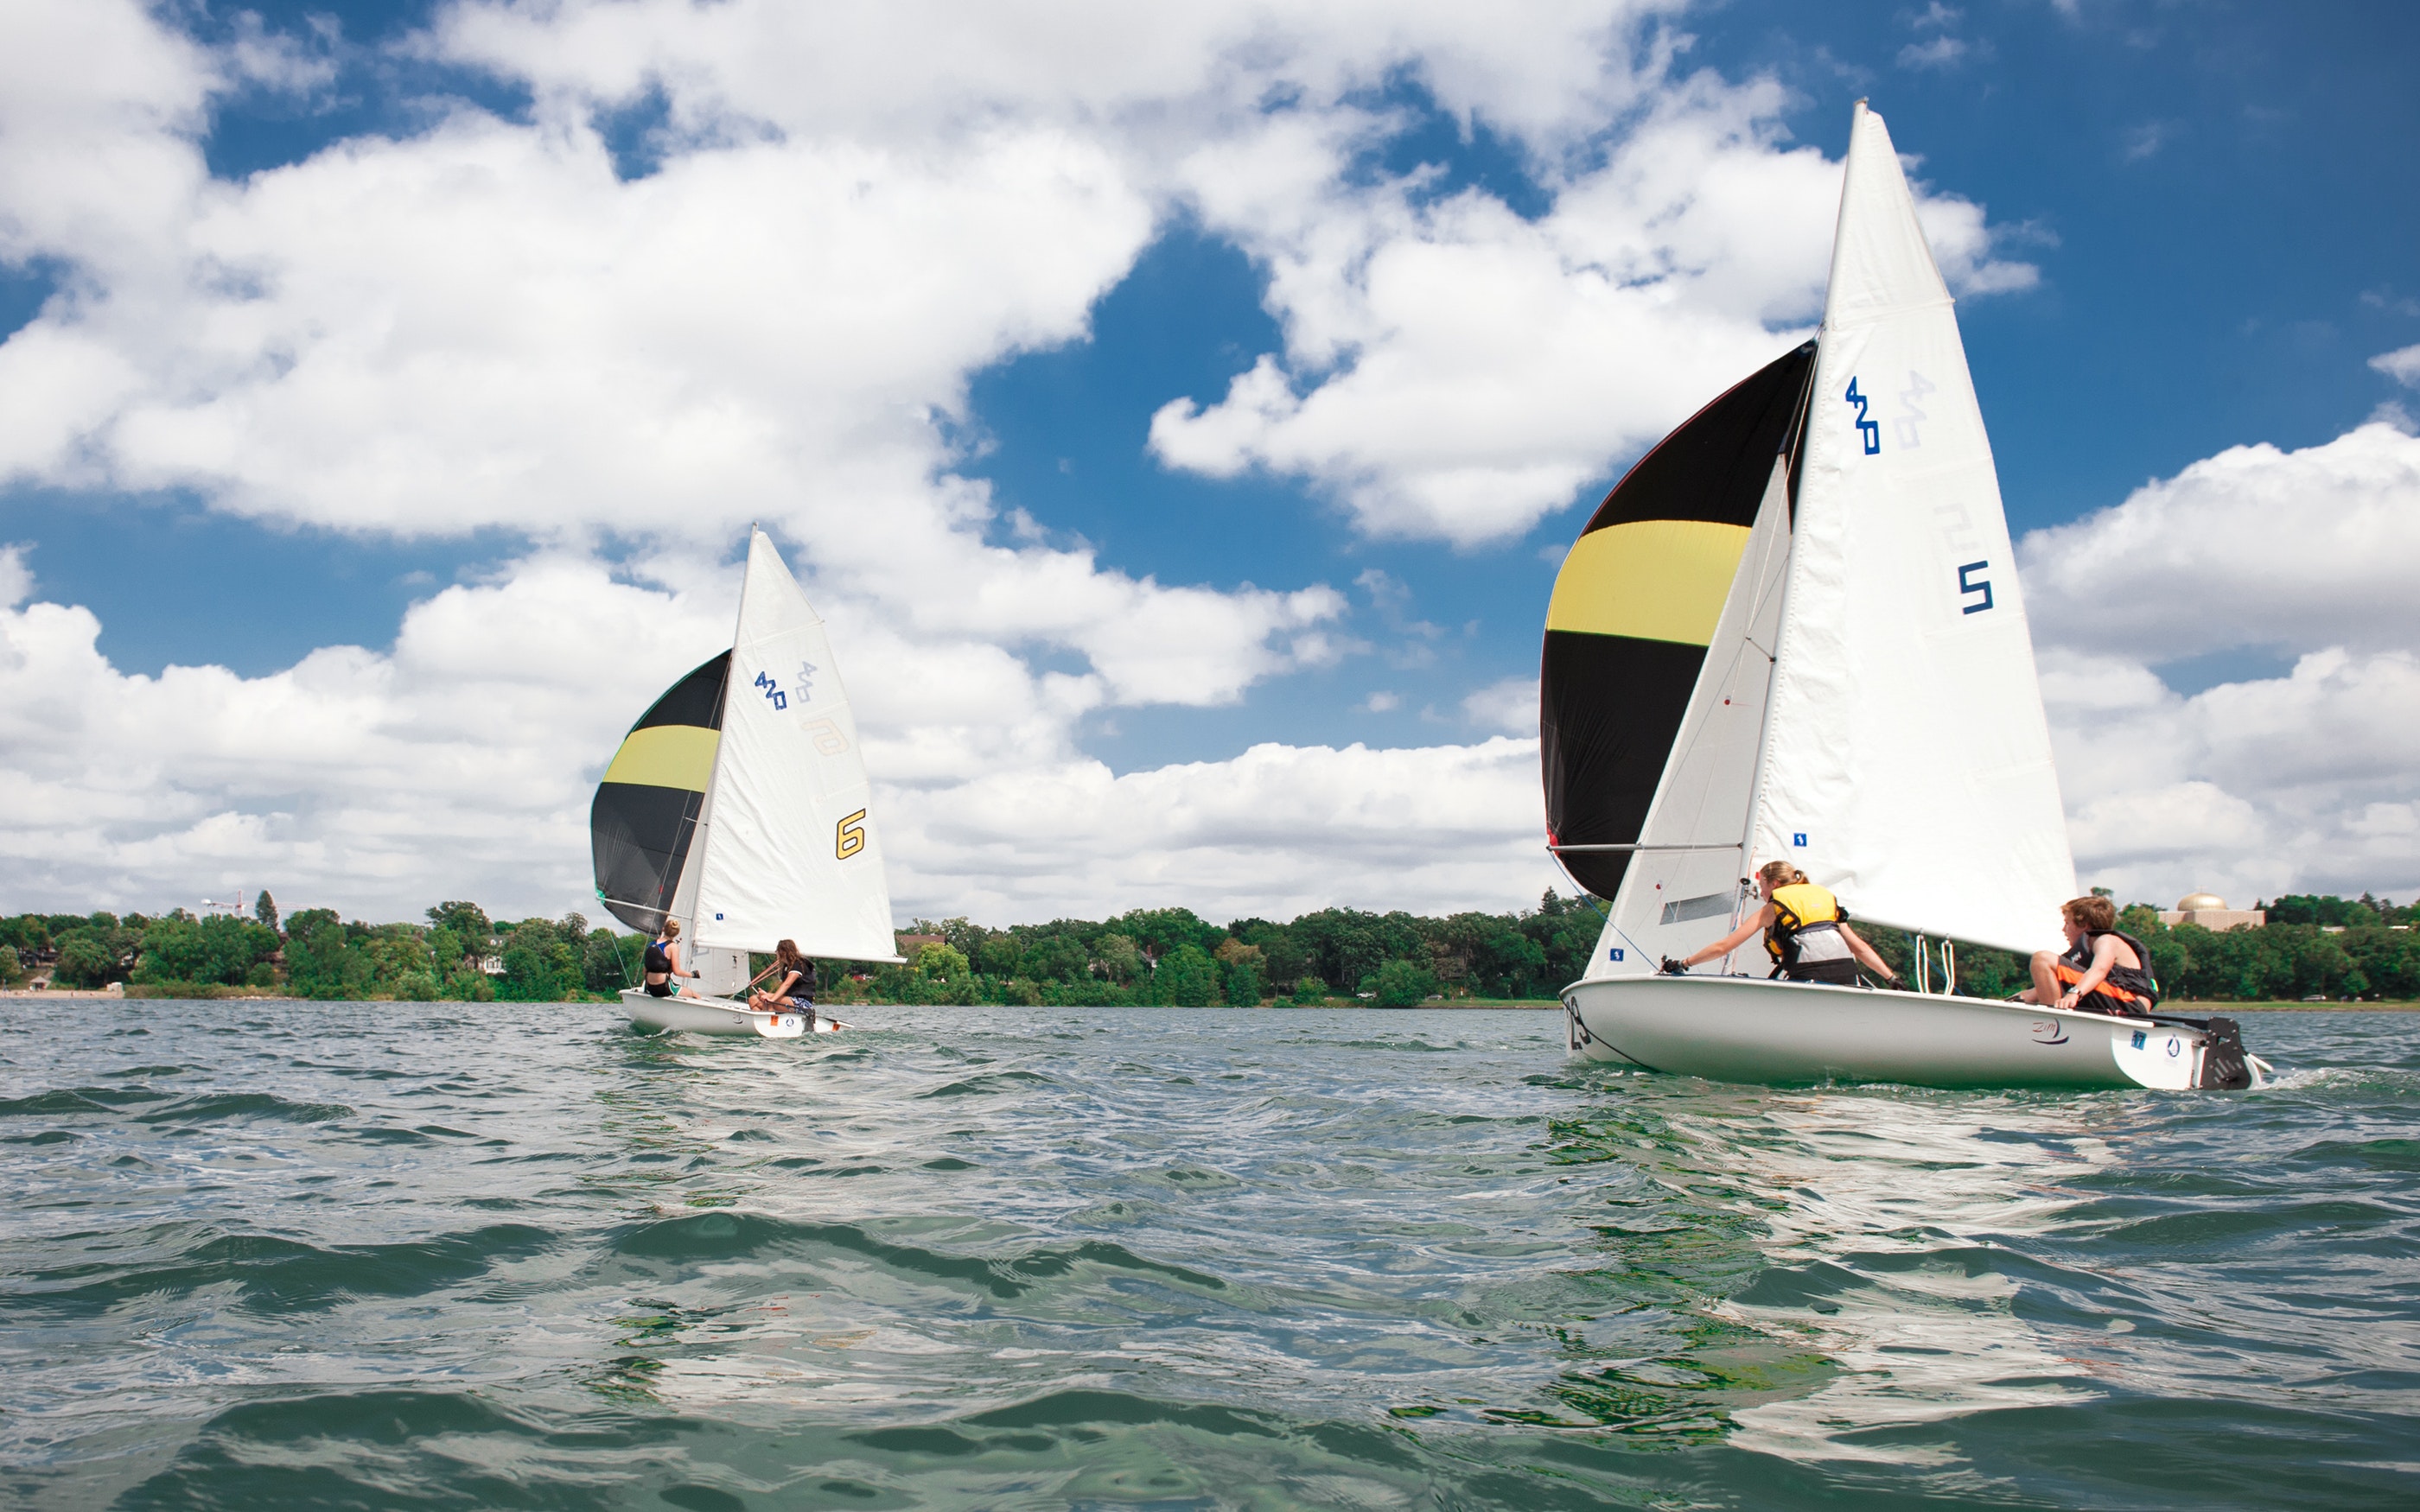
[[848, 836]]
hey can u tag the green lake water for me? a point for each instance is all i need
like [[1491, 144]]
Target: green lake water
[[295, 1254]]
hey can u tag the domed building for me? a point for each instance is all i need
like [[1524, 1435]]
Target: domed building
[[2210, 911]]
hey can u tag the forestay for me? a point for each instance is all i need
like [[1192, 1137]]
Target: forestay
[[1909, 765]]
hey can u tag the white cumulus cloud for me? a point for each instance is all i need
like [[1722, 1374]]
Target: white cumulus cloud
[[2258, 786]]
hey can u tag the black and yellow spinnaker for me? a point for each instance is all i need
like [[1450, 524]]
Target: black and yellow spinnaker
[[647, 807], [1635, 604]]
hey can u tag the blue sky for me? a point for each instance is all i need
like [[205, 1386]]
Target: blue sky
[[2220, 201], [2223, 200]]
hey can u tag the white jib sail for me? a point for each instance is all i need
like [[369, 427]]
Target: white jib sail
[[791, 849], [1908, 762], [1673, 900], [720, 973]]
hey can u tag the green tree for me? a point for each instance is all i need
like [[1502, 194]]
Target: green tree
[[1001, 955], [937, 961], [468, 922], [264, 911], [401, 962], [1058, 958], [86, 960], [322, 959], [1119, 959], [1309, 992], [611, 961], [1187, 978], [224, 950], [541, 965], [1404, 985]]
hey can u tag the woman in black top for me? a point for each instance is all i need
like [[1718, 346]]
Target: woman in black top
[[662, 962], [794, 984]]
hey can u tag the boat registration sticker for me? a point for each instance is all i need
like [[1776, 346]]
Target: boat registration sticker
[[2138, 1039]]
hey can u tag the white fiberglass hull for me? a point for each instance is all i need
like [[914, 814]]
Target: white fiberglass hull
[[718, 1015], [1747, 1029]]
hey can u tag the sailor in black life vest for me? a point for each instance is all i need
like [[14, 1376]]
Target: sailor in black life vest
[[794, 984], [661, 962], [2102, 971], [1805, 930]]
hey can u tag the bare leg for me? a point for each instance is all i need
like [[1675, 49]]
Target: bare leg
[[2046, 989]]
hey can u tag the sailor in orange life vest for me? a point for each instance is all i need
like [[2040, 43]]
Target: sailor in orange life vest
[[1805, 930], [2102, 971]]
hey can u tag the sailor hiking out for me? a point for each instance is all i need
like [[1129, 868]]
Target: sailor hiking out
[[2102, 971], [1805, 933]]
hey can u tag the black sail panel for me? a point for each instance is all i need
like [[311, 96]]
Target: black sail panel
[[646, 808], [1635, 604]]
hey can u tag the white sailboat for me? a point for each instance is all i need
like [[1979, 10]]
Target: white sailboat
[[1794, 631], [739, 805]]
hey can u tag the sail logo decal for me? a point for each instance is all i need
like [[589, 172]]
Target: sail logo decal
[[1871, 430], [1903, 428], [825, 733], [774, 693], [1798, 838], [806, 682], [1969, 585]]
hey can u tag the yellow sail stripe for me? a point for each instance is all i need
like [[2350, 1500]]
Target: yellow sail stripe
[[1652, 579], [666, 756]]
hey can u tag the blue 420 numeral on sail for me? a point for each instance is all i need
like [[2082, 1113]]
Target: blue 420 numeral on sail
[[1871, 430], [773, 690]]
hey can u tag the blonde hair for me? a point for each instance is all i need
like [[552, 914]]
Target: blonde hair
[[1779, 873], [2093, 913], [670, 929]]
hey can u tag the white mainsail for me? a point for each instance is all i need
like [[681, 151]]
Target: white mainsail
[[1683, 887], [1909, 762], [791, 848]]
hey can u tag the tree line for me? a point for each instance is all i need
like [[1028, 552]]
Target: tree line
[[459, 954], [1173, 956], [2313, 947]]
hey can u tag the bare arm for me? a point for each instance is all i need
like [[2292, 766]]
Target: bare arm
[[1762, 919], [2104, 955], [1865, 953]]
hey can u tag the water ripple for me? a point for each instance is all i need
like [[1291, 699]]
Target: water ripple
[[349, 1254]]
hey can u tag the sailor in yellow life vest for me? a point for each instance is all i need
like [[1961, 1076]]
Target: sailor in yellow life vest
[[1805, 930]]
